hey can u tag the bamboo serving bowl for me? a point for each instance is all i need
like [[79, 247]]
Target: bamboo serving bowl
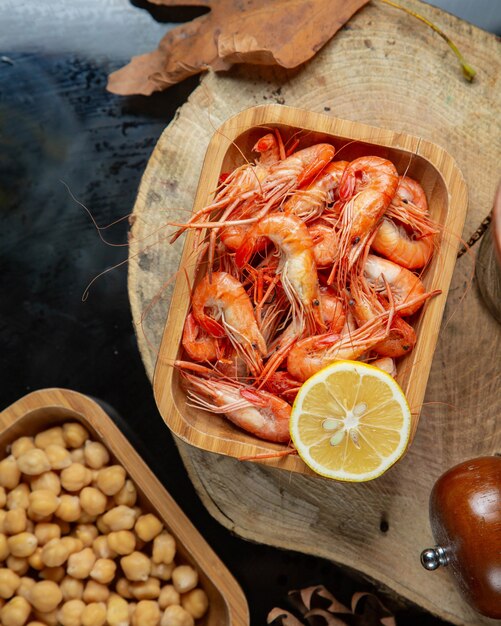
[[50, 407], [230, 146]]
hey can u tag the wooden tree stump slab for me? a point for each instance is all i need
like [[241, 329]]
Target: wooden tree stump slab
[[384, 69]]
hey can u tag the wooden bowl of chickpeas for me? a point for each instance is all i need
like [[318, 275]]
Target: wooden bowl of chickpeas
[[89, 536]]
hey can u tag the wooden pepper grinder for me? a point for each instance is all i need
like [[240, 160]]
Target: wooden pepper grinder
[[465, 517]]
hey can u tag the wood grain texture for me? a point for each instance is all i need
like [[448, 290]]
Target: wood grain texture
[[49, 407], [229, 148], [386, 70]]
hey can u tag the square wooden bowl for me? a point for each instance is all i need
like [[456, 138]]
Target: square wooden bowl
[[424, 161], [50, 407]]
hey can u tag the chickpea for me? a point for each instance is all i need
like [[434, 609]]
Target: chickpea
[[162, 571], [47, 480], [44, 532], [164, 548], [45, 596], [136, 566], [69, 509], [148, 526], [93, 501], [15, 612], [70, 613], [21, 445], [75, 435], [127, 494], [168, 596], [17, 564], [55, 574], [9, 582], [102, 548], [50, 436], [75, 477], [4, 547], [103, 571], [147, 613], [43, 503], [81, 563], [123, 588], [147, 590], [184, 578], [73, 544], [22, 544], [14, 522], [102, 526], [55, 553], [35, 560], [122, 542], [86, 533], [120, 518], [33, 462], [96, 455], [10, 473], [71, 588], [18, 498], [59, 457], [95, 592], [25, 586], [195, 602], [77, 456], [175, 615], [111, 480], [94, 614], [117, 613]]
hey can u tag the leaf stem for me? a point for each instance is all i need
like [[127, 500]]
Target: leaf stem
[[468, 71]]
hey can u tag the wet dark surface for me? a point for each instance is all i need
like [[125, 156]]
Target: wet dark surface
[[60, 129]]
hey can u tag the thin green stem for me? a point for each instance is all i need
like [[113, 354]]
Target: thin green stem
[[468, 71]]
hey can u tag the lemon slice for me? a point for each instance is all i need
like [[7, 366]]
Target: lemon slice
[[350, 421]]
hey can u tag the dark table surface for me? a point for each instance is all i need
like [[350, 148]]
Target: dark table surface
[[61, 132]]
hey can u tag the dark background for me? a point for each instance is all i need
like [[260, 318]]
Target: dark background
[[58, 124]]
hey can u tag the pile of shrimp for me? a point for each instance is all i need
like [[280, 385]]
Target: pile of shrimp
[[306, 260]]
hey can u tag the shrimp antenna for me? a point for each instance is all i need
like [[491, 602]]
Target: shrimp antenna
[[98, 228]]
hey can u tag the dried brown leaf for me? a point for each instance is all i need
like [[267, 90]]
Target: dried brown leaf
[[265, 32]]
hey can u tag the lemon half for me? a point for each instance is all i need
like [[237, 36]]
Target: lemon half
[[350, 421]]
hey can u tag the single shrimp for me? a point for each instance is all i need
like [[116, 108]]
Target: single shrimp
[[309, 203], [199, 345], [325, 243], [226, 300], [297, 266], [368, 186], [405, 286], [311, 354], [256, 411], [407, 234]]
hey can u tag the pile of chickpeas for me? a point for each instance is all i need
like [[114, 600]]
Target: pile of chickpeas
[[76, 550]]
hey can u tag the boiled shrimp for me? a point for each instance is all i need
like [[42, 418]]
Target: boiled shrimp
[[230, 314], [311, 354], [405, 286], [297, 266], [310, 203], [199, 345], [367, 188], [259, 412], [407, 234]]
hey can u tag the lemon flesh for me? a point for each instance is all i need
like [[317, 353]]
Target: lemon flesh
[[350, 421]]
